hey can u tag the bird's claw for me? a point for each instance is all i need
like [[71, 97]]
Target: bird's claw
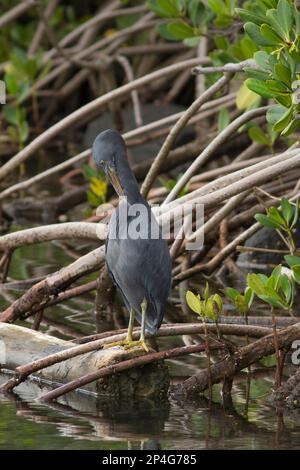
[[116, 343], [128, 344], [133, 344]]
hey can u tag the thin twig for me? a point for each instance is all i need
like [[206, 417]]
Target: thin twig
[[180, 124], [87, 110]]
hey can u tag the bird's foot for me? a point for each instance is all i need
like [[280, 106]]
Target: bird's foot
[[128, 344], [133, 344], [116, 343]]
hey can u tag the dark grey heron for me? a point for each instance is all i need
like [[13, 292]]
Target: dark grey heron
[[137, 256]]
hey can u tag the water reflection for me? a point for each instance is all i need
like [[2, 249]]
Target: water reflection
[[84, 421]]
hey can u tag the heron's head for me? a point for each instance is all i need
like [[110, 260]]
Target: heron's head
[[108, 151]]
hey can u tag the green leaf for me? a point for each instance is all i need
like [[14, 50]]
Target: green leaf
[[275, 113], [268, 361], [276, 273], [271, 284], [277, 88], [282, 73], [221, 42], [169, 7], [180, 30], [256, 134], [196, 11], [218, 7], [11, 114], [256, 284], [249, 16], [163, 30], [286, 287], [259, 87], [241, 304], [247, 46], [270, 35], [297, 20], [296, 273], [217, 298], [258, 74], [206, 292], [287, 209], [23, 131], [24, 91], [92, 199], [272, 301], [192, 42], [285, 14], [296, 211], [266, 221], [291, 127], [263, 278], [245, 98], [89, 172], [292, 260], [275, 23], [254, 32], [249, 296], [275, 215], [11, 84], [262, 60], [193, 302], [209, 310], [232, 293], [223, 119], [283, 122], [164, 8], [284, 100]]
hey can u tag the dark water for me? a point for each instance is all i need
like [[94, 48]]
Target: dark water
[[83, 422]]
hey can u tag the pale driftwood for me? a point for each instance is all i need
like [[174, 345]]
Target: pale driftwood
[[206, 154], [20, 345], [71, 230]]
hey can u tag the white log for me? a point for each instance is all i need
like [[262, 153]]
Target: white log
[[19, 346]]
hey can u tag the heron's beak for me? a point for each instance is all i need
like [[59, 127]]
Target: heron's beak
[[115, 180]]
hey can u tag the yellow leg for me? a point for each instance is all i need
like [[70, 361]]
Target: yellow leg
[[129, 339], [130, 325], [141, 341], [129, 342], [142, 337]]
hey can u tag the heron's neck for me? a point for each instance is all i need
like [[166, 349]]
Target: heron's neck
[[129, 183]]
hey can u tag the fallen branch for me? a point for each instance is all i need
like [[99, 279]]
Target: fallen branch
[[215, 262], [40, 294], [211, 148], [120, 367], [45, 233], [231, 185], [241, 359], [24, 371]]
